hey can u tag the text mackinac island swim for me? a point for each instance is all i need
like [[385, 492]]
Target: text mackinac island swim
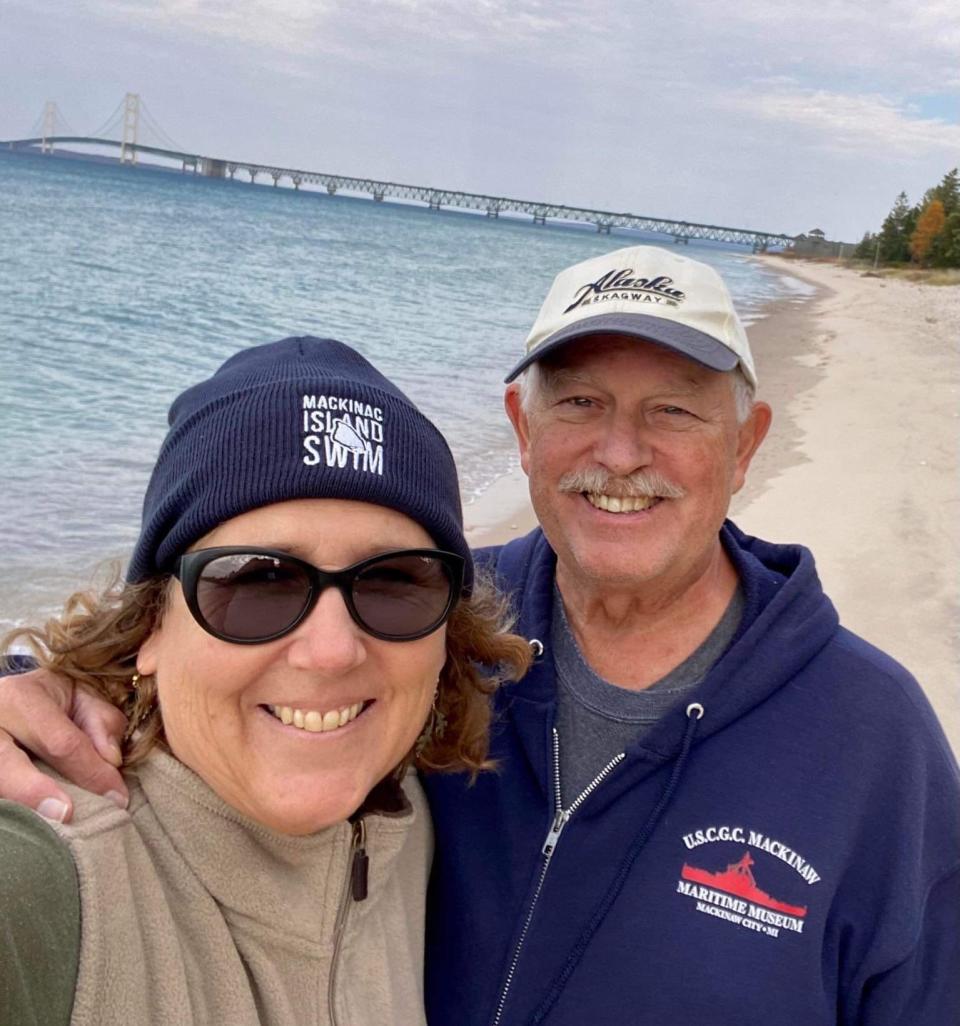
[[344, 433], [731, 891]]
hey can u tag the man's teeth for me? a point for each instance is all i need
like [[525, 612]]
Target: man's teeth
[[313, 721], [618, 504]]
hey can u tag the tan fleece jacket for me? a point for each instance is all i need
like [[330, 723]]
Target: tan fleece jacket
[[192, 915]]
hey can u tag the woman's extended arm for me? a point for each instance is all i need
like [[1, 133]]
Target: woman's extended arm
[[39, 922]]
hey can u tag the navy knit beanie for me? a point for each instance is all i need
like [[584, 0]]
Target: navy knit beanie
[[301, 418]]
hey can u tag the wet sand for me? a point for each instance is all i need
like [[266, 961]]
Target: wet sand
[[862, 463]]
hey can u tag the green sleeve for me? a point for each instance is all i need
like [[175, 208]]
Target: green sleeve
[[39, 921]]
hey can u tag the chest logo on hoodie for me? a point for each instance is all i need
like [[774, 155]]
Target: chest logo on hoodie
[[725, 884]]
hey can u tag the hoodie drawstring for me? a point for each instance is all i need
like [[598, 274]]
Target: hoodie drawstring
[[694, 715]]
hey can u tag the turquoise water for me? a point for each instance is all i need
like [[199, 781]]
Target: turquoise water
[[119, 287]]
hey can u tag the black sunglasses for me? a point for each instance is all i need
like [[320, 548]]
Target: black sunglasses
[[249, 596]]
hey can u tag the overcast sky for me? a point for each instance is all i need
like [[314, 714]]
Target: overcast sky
[[781, 115]]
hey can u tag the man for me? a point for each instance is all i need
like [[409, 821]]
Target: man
[[712, 805]]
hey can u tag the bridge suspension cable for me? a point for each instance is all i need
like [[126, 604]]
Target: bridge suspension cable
[[112, 124], [151, 122], [132, 122]]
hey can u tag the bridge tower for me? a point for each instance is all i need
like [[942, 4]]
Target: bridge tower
[[49, 126], [131, 126]]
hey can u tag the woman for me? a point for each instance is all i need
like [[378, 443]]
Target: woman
[[298, 626]]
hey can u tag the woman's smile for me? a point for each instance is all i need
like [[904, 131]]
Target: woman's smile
[[315, 721]]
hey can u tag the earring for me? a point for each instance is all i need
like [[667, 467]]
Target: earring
[[438, 717], [141, 708], [435, 727]]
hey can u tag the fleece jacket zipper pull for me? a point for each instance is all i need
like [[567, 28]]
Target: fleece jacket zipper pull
[[360, 865]]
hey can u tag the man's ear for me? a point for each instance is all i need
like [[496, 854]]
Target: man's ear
[[518, 418], [749, 436]]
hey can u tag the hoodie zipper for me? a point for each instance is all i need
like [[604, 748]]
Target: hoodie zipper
[[354, 889], [561, 817]]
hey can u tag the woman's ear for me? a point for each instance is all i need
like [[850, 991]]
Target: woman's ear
[[147, 656], [149, 652]]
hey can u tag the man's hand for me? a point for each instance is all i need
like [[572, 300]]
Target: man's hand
[[71, 729]]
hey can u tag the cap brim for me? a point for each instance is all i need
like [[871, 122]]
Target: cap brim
[[681, 338]]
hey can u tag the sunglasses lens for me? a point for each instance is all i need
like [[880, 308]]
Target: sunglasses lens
[[403, 596], [251, 596]]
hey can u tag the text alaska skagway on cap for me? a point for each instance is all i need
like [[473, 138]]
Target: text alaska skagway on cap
[[654, 290]]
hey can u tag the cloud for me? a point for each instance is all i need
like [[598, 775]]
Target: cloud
[[894, 47], [287, 24], [868, 125], [848, 38], [313, 27]]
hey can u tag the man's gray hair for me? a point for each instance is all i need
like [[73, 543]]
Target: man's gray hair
[[532, 380]]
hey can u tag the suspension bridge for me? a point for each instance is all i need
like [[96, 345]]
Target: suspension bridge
[[133, 130]]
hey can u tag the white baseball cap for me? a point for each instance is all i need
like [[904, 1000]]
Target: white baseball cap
[[650, 293]]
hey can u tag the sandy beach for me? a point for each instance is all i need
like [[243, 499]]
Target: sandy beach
[[862, 463]]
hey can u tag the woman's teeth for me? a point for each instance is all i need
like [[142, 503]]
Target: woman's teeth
[[313, 721], [618, 504]]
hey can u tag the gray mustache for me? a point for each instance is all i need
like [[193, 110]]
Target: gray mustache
[[642, 484]]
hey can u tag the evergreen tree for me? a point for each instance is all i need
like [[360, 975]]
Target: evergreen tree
[[948, 192], [895, 233], [945, 251], [945, 248], [866, 247]]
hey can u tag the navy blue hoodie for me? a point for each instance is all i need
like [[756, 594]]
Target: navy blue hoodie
[[792, 858]]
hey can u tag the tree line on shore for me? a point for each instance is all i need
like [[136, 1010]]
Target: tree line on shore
[[927, 234]]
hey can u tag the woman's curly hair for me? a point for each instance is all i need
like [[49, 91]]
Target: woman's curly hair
[[94, 643]]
